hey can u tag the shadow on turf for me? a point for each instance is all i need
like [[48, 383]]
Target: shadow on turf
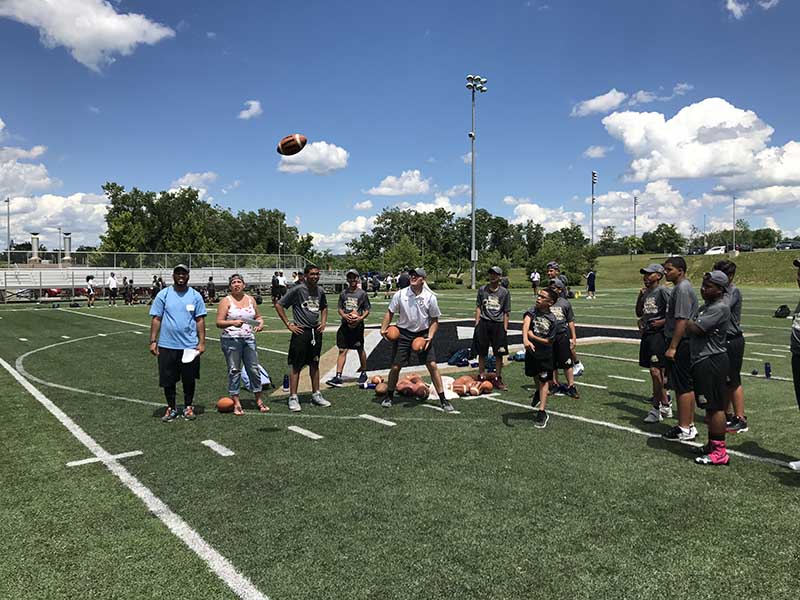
[[199, 409], [510, 417]]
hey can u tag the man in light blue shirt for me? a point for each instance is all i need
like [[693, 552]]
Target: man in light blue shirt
[[178, 338]]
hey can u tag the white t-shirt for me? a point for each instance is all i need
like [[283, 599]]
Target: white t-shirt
[[414, 312], [281, 281], [535, 277], [111, 283]]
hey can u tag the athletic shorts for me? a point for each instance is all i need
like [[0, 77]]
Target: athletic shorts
[[539, 365], [171, 369], [679, 371], [276, 295], [796, 377], [350, 338], [562, 355], [651, 350], [736, 357], [490, 333], [112, 292], [590, 289], [710, 377], [401, 349], [304, 349]]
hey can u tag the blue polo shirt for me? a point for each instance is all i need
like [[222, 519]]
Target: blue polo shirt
[[178, 312]]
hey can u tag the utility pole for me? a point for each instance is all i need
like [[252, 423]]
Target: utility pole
[[475, 83], [594, 181], [635, 204]]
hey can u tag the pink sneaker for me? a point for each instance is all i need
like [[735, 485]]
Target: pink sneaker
[[717, 456]]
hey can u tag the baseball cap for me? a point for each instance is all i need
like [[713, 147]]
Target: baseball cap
[[352, 272], [717, 278], [553, 265], [419, 272], [796, 263], [496, 270], [558, 284], [652, 268], [180, 267]]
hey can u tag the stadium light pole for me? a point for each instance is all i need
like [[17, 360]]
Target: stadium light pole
[[594, 181], [59, 246], [475, 83], [8, 229], [733, 249], [635, 204]]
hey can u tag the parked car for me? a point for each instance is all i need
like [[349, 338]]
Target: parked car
[[716, 250], [744, 247], [788, 245], [696, 251]]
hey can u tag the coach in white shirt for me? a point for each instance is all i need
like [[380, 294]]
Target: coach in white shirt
[[111, 284], [418, 314]]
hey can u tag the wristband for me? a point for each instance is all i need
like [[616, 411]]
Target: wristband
[[153, 341]]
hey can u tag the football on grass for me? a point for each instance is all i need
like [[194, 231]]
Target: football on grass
[[292, 144], [225, 405]]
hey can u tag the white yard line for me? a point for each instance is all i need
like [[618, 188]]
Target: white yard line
[[86, 461], [309, 434], [440, 409], [23, 339], [64, 337], [218, 448], [378, 420], [762, 459], [633, 360], [219, 565], [767, 354], [625, 378], [591, 385]]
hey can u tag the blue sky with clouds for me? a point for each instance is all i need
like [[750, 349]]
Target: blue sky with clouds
[[684, 103]]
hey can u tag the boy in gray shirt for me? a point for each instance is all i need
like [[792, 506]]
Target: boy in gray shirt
[[493, 305]]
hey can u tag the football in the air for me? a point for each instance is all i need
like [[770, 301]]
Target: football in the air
[[292, 144], [225, 405]]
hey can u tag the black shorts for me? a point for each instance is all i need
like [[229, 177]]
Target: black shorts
[[276, 295], [710, 377], [651, 350], [736, 358], [350, 338], [562, 354], [539, 365], [590, 289], [171, 369], [302, 351], [401, 349], [679, 371], [112, 292], [490, 333]]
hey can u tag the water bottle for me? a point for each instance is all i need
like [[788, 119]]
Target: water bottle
[[367, 385], [286, 383], [767, 370]]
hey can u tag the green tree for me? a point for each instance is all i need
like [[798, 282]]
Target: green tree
[[665, 238], [403, 253]]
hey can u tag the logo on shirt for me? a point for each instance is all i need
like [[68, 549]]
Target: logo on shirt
[[650, 306], [491, 303], [541, 326], [311, 305], [350, 304], [558, 312]]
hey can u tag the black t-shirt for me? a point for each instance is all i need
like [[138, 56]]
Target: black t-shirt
[[543, 325], [403, 281]]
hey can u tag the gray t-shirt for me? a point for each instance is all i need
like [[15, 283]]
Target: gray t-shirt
[[795, 341], [543, 325], [682, 305], [562, 311], [493, 304], [356, 301], [654, 305], [733, 298], [714, 320], [305, 307]]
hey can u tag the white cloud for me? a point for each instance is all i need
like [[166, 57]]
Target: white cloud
[[2, 127], [21, 178], [460, 210], [646, 97], [410, 183], [297, 220], [92, 30], [467, 158], [766, 200], [365, 205], [253, 110], [347, 230], [599, 104], [83, 215], [767, 4], [7, 153], [94, 109], [513, 201], [211, 35], [711, 138], [737, 8], [772, 166], [231, 187], [551, 219], [198, 181], [597, 151], [321, 158], [457, 190]]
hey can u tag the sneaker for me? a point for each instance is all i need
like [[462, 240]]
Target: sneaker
[[188, 413], [666, 410], [362, 378], [572, 392], [386, 402], [795, 465], [717, 457], [336, 381], [700, 450], [319, 400], [170, 415], [677, 434], [535, 399], [654, 416], [500, 386], [294, 404], [736, 425], [729, 419], [446, 406], [560, 390], [577, 370], [540, 419]]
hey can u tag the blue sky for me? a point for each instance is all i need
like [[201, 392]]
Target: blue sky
[[684, 103]]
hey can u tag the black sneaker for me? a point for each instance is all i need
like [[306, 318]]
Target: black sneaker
[[540, 419], [535, 399], [335, 381], [737, 425], [572, 392], [700, 450], [446, 406], [363, 377]]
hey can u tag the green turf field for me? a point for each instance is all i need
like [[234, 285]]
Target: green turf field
[[474, 505]]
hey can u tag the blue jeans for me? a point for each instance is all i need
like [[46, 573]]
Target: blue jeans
[[238, 351]]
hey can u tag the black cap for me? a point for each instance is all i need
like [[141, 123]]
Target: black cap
[[180, 267], [717, 278], [652, 268], [351, 272], [419, 272], [553, 265], [557, 284], [496, 270]]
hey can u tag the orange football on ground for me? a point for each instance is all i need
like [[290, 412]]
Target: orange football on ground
[[225, 405], [292, 144]]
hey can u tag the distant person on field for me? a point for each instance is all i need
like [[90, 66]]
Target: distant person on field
[[91, 293], [492, 308], [239, 318], [535, 279], [127, 292], [310, 317], [403, 280], [178, 325], [273, 288], [794, 344], [282, 287], [111, 285], [354, 307], [376, 284], [651, 311], [553, 273], [154, 289], [590, 285], [211, 290], [387, 293], [538, 336], [564, 342]]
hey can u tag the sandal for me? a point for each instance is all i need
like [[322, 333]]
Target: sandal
[[263, 407], [238, 411]]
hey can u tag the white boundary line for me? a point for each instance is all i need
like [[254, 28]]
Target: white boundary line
[[309, 434], [772, 355], [762, 459], [626, 378], [591, 385], [219, 565], [86, 461], [218, 448], [623, 359], [23, 339], [440, 409], [378, 420]]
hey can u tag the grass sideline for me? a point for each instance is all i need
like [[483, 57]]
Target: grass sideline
[[480, 505]]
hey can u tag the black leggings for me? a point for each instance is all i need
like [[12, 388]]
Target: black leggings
[[171, 392], [796, 376]]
